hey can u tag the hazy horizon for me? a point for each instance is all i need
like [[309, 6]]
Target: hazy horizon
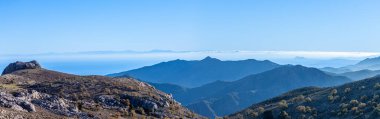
[[106, 62]]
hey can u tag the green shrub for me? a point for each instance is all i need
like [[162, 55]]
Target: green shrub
[[284, 115], [354, 102], [362, 105], [299, 98], [377, 86], [260, 110], [363, 98], [301, 109], [347, 90], [308, 99], [252, 113], [334, 92], [377, 109], [283, 104]]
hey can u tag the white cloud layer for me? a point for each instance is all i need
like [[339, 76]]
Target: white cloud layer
[[193, 55]]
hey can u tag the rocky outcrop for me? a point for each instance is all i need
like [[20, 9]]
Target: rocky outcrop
[[58, 105], [20, 66], [26, 101], [42, 93], [18, 102]]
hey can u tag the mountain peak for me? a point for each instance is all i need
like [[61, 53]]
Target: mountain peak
[[20, 66], [208, 58]]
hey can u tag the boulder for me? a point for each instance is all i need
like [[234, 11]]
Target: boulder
[[20, 66], [28, 106], [109, 101]]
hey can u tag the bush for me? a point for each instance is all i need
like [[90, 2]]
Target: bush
[[252, 113], [133, 113], [283, 104], [260, 110], [354, 108], [332, 98], [363, 98], [308, 99], [354, 102], [284, 115], [343, 98], [299, 98], [333, 95], [334, 92], [377, 86], [301, 109], [362, 105], [377, 109], [344, 110], [347, 90], [344, 105], [126, 102]]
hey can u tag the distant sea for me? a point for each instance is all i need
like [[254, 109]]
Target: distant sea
[[91, 67]]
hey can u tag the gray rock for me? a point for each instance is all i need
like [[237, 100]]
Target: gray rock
[[147, 104], [109, 101], [150, 105], [57, 105], [20, 66], [28, 106], [16, 103]]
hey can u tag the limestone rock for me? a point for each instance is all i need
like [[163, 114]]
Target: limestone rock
[[20, 66]]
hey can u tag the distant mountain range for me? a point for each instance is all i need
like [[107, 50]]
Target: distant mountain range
[[364, 69], [361, 74], [210, 85], [199, 72], [356, 100], [367, 64], [221, 98]]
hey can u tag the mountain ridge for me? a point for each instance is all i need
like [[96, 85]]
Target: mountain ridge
[[198, 72], [212, 98]]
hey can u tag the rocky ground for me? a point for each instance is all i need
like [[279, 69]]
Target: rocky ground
[[29, 91]]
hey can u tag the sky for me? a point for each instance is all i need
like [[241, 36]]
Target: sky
[[44, 26], [107, 36]]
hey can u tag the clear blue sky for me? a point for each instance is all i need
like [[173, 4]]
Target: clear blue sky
[[41, 26]]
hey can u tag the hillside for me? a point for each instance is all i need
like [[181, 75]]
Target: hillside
[[197, 73], [212, 99], [356, 100], [29, 91]]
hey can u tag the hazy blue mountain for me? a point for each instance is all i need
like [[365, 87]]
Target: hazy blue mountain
[[315, 62], [221, 98], [362, 74], [199, 72], [370, 61], [335, 70], [367, 64]]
